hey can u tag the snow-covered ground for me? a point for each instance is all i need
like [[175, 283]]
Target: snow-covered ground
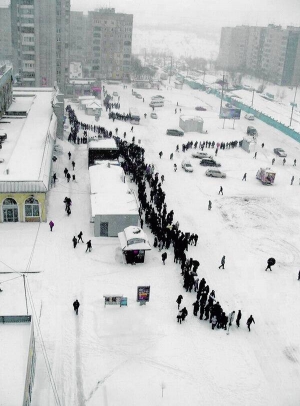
[[139, 354]]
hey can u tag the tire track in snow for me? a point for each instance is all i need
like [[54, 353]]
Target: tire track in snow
[[80, 396]]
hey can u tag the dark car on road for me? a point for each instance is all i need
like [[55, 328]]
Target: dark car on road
[[178, 133], [209, 162], [200, 108]]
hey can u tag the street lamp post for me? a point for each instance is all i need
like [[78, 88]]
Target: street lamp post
[[294, 104], [252, 97]]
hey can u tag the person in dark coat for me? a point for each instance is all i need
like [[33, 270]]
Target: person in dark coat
[[178, 300], [249, 322], [270, 262], [68, 177], [196, 308], [73, 165], [54, 177], [89, 246], [299, 276], [207, 311], [164, 256], [222, 262], [238, 319], [209, 205], [184, 313], [51, 224], [155, 242], [179, 317], [65, 172], [202, 306], [80, 236], [69, 155], [74, 239], [76, 305], [221, 190], [195, 239]]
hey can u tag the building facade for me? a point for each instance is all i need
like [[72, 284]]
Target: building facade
[[5, 35], [78, 37], [6, 90], [109, 40], [271, 53], [40, 41]]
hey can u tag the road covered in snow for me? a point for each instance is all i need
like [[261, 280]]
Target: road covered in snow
[[139, 354]]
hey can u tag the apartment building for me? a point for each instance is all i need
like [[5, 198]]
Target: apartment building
[[109, 40], [40, 40], [78, 37], [269, 52], [5, 34]]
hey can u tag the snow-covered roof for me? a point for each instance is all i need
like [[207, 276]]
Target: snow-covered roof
[[86, 98], [194, 118], [109, 193], [107, 143], [14, 348], [134, 238], [27, 152], [93, 105]]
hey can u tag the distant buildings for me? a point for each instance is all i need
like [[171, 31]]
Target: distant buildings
[[5, 34], [6, 82], [102, 41], [40, 40], [271, 53]]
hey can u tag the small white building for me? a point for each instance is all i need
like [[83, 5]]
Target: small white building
[[191, 123], [134, 242], [249, 144], [114, 205], [93, 108]]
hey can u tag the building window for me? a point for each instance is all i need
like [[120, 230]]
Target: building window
[[10, 210], [32, 207]]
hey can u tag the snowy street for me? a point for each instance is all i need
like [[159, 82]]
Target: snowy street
[[139, 354]]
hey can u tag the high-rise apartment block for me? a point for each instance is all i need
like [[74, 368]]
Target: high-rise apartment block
[[5, 34], [40, 40], [78, 37], [109, 38], [269, 52]]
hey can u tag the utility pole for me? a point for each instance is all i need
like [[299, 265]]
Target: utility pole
[[252, 97], [294, 104], [25, 294]]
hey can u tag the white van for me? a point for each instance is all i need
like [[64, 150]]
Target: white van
[[156, 103]]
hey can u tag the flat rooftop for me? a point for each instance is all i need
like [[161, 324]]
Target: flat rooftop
[[14, 349], [28, 148]]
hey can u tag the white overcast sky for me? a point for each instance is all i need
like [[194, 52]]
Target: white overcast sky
[[214, 13]]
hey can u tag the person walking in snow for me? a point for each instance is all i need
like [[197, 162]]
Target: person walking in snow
[[284, 161], [131, 129], [73, 165], [255, 155], [68, 210], [160, 154], [76, 305], [209, 205], [68, 177], [74, 239], [245, 176], [65, 172], [175, 167], [273, 161], [184, 313], [54, 177], [270, 262], [171, 156], [80, 236], [238, 319], [299, 276], [231, 318], [179, 317], [196, 308], [250, 321], [221, 190], [89, 246], [162, 178], [292, 180], [164, 256], [51, 224], [179, 300], [295, 161], [69, 155], [222, 262]]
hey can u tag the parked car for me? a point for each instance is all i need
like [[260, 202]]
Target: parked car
[[138, 96], [178, 133], [215, 173], [251, 130], [209, 162], [187, 166], [249, 117], [280, 152], [201, 155], [153, 115], [3, 136], [134, 93], [200, 108]]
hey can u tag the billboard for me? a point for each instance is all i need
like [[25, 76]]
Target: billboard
[[230, 113], [143, 293]]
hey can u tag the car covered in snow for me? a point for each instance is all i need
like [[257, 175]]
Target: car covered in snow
[[209, 162], [280, 152], [153, 115], [201, 155], [200, 108], [177, 133], [251, 131], [215, 173], [249, 117], [187, 166], [157, 97], [138, 96]]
